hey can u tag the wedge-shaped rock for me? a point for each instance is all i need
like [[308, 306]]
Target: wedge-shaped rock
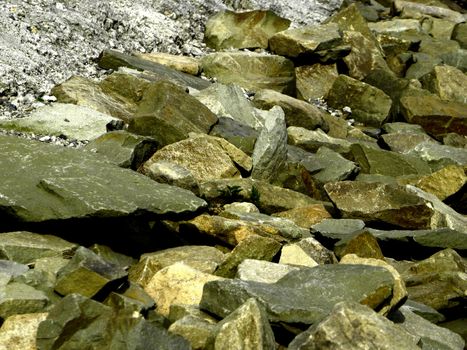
[[306, 251], [123, 148], [305, 216], [404, 142], [244, 30], [297, 113], [315, 81], [237, 133], [87, 266], [25, 247], [436, 116], [354, 326], [337, 228], [369, 104], [437, 154], [252, 71], [377, 202], [18, 332], [312, 140], [435, 11], [183, 64], [335, 167], [168, 114], [449, 83], [363, 245], [245, 328], [194, 329], [19, 298], [206, 157], [305, 40], [263, 271], [63, 183]]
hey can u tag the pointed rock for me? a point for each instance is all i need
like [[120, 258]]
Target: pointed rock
[[182, 64], [315, 81], [312, 140], [447, 82], [263, 271], [18, 332]]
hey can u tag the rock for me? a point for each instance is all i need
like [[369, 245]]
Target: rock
[[422, 65], [305, 216], [168, 114], [180, 311], [19, 298], [437, 117], [337, 228], [460, 34], [405, 142], [305, 40], [111, 59], [252, 247], [377, 161], [311, 140], [369, 105], [26, 247], [87, 266], [363, 245], [439, 155], [455, 140], [447, 82], [194, 329], [428, 313], [395, 25], [438, 28], [424, 9], [240, 207], [377, 202], [307, 252], [334, 166], [315, 81], [85, 187], [10, 269], [245, 30], [252, 71], [263, 271], [238, 134], [246, 327], [306, 295], [18, 332], [177, 284], [182, 64], [456, 58], [354, 326], [270, 151], [457, 326]]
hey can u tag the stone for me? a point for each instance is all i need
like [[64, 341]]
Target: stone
[[180, 311], [310, 247], [237, 133], [424, 9], [305, 40], [369, 105], [428, 313], [337, 229], [18, 332], [242, 207], [168, 114], [438, 28], [315, 81], [363, 245], [85, 187], [26, 247], [252, 71], [87, 266], [194, 329], [124, 149], [177, 284], [252, 247], [312, 140], [437, 154], [305, 216], [244, 30], [460, 35], [403, 128], [10, 269], [245, 328], [297, 113], [457, 326], [263, 271], [270, 151], [304, 296], [353, 326], [395, 25], [405, 142], [377, 161], [183, 64], [334, 166], [378, 202], [422, 65], [455, 140], [19, 298], [456, 58], [449, 83], [112, 59], [118, 259], [436, 116]]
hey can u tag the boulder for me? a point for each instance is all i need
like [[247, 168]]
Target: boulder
[[439, 155], [194, 329], [336, 229], [460, 34], [312, 140], [20, 298], [305, 216], [306, 252], [334, 166], [18, 332], [418, 9], [447, 82], [263, 271], [404, 142], [363, 245], [315, 81], [238, 134]]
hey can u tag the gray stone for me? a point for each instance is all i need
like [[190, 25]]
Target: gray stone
[[457, 59], [123, 148], [240, 207], [10, 269], [338, 228], [335, 167], [19, 298], [395, 25], [238, 134], [425, 9], [312, 140], [313, 249], [428, 313], [439, 154], [315, 81], [422, 64], [403, 128], [405, 142], [447, 82], [185, 64], [84, 186], [118, 259], [306, 295], [263, 271]]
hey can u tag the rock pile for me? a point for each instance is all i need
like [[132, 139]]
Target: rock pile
[[310, 194]]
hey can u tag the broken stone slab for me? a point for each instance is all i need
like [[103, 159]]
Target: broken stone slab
[[246, 327], [242, 30], [460, 34], [90, 267], [424, 9], [336, 229], [395, 25], [307, 252], [403, 128], [438, 155], [125, 149], [456, 58], [84, 187], [168, 114], [237, 133], [422, 310], [305, 40], [72, 121], [26, 247], [112, 59], [20, 298], [363, 245], [303, 296], [194, 329], [405, 142], [252, 71], [438, 28], [369, 104], [263, 271], [18, 332], [10, 269], [449, 83], [422, 64], [352, 326], [312, 140], [118, 259], [315, 81], [305, 216], [182, 64], [335, 167]]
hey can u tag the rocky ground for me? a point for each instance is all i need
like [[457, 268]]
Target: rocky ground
[[199, 178]]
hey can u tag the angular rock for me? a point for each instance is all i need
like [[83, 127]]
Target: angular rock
[[245, 30], [422, 64], [369, 105], [395, 25], [305, 216], [19, 298], [311, 140], [182, 64], [240, 207], [297, 113], [194, 329], [177, 284], [435, 11], [87, 266], [309, 247], [405, 142], [460, 34], [456, 58], [238, 134], [123, 148], [334, 166], [263, 271], [18, 332], [315, 81], [439, 154], [118, 259], [354, 326], [305, 40], [337, 228], [9, 269], [245, 328], [363, 245], [168, 114], [455, 140], [447, 82], [428, 313], [252, 71], [85, 187]]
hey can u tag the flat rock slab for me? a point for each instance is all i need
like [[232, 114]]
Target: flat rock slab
[[41, 182], [303, 296]]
